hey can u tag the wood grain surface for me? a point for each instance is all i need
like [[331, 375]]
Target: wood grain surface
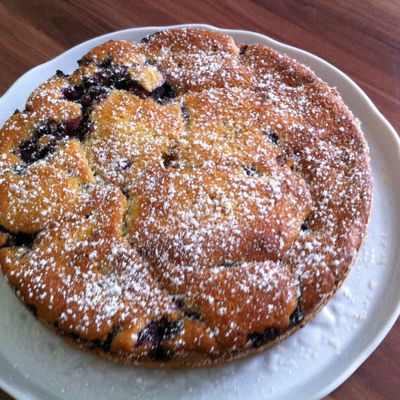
[[360, 37]]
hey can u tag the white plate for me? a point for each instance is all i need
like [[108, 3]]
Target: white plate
[[36, 364]]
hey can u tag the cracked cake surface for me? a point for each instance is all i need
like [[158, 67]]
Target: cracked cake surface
[[181, 201]]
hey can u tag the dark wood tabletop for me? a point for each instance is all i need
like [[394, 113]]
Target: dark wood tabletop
[[361, 37]]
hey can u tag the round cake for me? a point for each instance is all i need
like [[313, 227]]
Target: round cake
[[182, 201]]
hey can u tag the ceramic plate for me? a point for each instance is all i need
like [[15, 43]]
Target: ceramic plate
[[36, 364]]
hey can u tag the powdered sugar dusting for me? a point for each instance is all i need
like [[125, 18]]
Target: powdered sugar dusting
[[181, 195]]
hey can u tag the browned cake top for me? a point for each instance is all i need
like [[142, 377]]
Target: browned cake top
[[181, 199]]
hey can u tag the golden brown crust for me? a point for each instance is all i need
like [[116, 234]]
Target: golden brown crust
[[182, 201]]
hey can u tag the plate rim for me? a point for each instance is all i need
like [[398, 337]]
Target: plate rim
[[391, 319]]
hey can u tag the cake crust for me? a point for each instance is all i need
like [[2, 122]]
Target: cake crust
[[183, 201]]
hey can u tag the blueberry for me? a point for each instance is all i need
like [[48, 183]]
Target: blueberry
[[170, 158], [190, 314], [251, 171], [185, 114], [164, 93], [243, 49], [259, 339], [22, 239], [33, 309], [305, 226], [106, 63], [73, 93], [18, 239], [156, 331], [172, 328], [296, 317], [105, 344], [147, 38], [30, 150], [273, 137], [60, 74]]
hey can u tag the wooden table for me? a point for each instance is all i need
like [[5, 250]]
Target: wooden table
[[360, 37]]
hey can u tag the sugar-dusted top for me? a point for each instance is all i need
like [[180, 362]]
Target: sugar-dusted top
[[183, 198]]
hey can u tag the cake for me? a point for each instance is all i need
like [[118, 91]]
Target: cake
[[183, 201]]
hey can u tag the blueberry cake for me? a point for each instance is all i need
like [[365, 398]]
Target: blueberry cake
[[181, 201]]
